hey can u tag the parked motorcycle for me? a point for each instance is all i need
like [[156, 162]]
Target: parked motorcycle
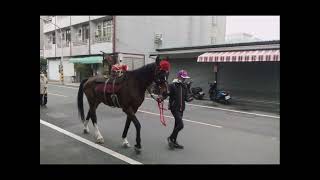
[[218, 95], [196, 92]]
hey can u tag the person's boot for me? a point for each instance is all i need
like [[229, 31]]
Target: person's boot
[[170, 143], [177, 146]]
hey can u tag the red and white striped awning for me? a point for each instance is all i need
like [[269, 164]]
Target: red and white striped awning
[[240, 56]]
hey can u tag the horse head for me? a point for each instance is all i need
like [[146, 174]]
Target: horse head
[[161, 76]]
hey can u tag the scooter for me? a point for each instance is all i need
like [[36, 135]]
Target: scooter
[[218, 95], [196, 92]]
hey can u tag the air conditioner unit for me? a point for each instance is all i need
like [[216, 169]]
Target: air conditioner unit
[[158, 38]]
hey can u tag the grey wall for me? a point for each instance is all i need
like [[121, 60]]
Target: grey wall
[[259, 79], [135, 34], [200, 73]]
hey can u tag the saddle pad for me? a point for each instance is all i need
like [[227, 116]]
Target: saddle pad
[[109, 88]]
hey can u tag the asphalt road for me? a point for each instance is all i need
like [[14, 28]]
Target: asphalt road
[[210, 136]]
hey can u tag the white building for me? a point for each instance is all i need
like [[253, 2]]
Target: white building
[[84, 36], [41, 38], [241, 37]]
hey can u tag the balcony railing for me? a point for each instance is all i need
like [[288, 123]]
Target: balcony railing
[[64, 44], [48, 46], [101, 39], [80, 42]]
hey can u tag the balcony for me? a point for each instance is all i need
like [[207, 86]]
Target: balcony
[[64, 44], [80, 42], [48, 46], [101, 39]]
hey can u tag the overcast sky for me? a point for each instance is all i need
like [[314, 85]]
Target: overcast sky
[[262, 27]]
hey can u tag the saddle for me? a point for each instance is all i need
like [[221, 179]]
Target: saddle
[[109, 87]]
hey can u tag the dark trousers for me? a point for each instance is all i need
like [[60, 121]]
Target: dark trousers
[[178, 124], [43, 99]]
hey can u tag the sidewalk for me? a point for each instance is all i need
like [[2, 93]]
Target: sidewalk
[[240, 104]]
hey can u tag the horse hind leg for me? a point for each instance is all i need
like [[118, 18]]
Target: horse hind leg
[[85, 123], [93, 104], [131, 114], [99, 138]]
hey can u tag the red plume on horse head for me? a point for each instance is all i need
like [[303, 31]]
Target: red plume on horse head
[[164, 64]]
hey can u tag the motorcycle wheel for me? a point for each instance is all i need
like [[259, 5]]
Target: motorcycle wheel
[[197, 97]]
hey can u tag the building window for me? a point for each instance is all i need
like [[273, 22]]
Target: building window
[[109, 30], [85, 30], [53, 38], [99, 30], [104, 24], [79, 34], [68, 36], [213, 40], [49, 38]]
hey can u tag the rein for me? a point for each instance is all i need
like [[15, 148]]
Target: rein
[[160, 106]]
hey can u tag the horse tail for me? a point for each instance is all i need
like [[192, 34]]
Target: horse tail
[[80, 100]]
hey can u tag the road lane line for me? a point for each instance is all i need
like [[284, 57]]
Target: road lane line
[[222, 109], [63, 86], [182, 119], [94, 145], [57, 94]]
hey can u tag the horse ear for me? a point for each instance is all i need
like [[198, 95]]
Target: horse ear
[[158, 60]]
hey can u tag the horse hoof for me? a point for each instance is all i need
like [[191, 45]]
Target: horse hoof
[[85, 131], [126, 145], [137, 149], [100, 141]]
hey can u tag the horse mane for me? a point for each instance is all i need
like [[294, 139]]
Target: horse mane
[[144, 71]]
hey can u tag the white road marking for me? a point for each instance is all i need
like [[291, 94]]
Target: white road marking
[[222, 109], [266, 102], [97, 146], [63, 86], [182, 119], [57, 94]]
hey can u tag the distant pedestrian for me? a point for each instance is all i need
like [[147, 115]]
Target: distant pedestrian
[[43, 90]]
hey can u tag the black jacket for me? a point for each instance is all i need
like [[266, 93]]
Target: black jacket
[[178, 94]]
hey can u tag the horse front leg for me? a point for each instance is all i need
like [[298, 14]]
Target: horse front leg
[[125, 142], [138, 128]]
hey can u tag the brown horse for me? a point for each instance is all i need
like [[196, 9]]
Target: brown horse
[[130, 97]]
